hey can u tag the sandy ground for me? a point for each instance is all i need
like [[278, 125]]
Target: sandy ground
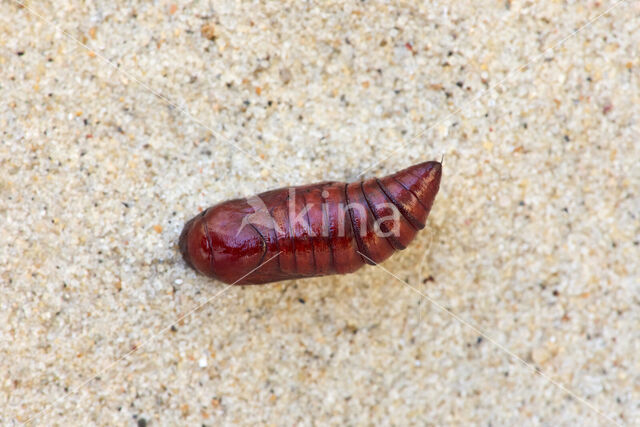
[[519, 304]]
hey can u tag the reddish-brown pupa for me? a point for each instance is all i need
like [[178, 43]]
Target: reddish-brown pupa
[[311, 230]]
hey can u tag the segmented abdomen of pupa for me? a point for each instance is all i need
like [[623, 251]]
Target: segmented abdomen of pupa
[[312, 230]]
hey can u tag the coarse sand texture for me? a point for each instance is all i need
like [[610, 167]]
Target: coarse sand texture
[[517, 304]]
